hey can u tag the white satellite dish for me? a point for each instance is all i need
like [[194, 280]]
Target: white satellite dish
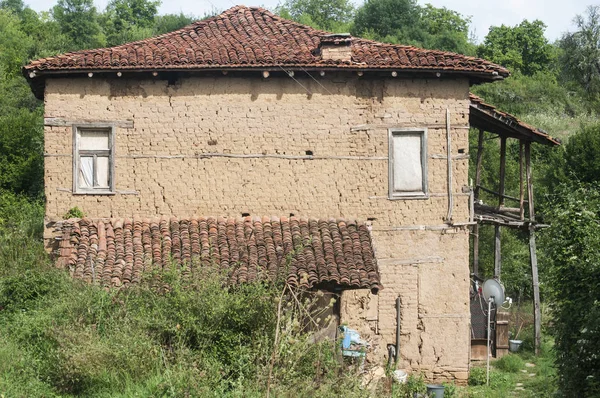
[[492, 289], [493, 292]]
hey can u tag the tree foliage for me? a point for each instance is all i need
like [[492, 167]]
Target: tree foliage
[[520, 48], [78, 20], [572, 246], [405, 22], [330, 15], [581, 52]]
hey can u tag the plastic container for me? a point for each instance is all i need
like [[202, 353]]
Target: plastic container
[[400, 376], [514, 345], [435, 390]]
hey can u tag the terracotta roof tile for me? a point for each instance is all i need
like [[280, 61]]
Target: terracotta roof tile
[[312, 252], [252, 37]]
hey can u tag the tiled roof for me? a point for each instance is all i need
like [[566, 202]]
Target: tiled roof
[[489, 118], [252, 37], [306, 253]]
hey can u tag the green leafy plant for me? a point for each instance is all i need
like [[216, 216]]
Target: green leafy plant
[[74, 212], [510, 363]]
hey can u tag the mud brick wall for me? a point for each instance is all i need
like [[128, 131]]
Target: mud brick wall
[[223, 146]]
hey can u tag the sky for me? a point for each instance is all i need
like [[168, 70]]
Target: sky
[[556, 14]]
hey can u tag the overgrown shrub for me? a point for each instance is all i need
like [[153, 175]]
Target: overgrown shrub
[[477, 377], [510, 363], [573, 256], [174, 334]]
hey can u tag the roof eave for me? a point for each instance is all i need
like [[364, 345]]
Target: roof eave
[[36, 78]]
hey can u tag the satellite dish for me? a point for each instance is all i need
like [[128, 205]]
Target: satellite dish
[[493, 289]]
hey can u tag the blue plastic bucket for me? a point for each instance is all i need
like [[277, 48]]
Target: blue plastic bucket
[[435, 390]]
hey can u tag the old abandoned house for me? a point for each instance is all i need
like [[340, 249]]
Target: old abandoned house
[[243, 136]]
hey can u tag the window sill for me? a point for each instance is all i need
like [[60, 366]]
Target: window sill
[[94, 193], [415, 196]]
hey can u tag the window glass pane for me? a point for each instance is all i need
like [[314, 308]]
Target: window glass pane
[[408, 168], [102, 171], [86, 172], [93, 139]]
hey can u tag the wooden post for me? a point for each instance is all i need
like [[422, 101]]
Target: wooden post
[[497, 241], [476, 198], [521, 178], [537, 314], [479, 164]]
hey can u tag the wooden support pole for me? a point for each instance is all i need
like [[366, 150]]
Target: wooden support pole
[[502, 170], [476, 198], [498, 231], [479, 164], [537, 314], [521, 178], [497, 253]]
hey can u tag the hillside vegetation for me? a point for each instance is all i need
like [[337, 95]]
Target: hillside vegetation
[[169, 337]]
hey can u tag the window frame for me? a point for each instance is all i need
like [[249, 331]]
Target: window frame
[[392, 193], [110, 128]]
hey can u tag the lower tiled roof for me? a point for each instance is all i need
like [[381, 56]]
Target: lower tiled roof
[[307, 253]]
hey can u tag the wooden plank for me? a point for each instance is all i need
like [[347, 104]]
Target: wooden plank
[[537, 314], [502, 327], [60, 122], [497, 252]]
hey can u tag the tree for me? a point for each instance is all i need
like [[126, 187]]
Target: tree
[[129, 20], [387, 18], [582, 155], [447, 30], [322, 14], [404, 22], [572, 252], [15, 6], [170, 22], [78, 20], [581, 52], [521, 48]]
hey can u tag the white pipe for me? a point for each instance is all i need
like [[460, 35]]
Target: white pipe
[[488, 338], [449, 155]]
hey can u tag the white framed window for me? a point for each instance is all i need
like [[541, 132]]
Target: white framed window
[[407, 163], [93, 159]]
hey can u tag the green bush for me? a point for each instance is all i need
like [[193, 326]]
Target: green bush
[[573, 256], [477, 377], [510, 363]]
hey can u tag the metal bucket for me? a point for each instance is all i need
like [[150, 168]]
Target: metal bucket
[[514, 345], [435, 390]]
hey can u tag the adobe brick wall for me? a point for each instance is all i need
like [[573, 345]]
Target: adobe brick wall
[[224, 146]]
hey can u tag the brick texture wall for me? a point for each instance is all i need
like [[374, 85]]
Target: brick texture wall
[[223, 146]]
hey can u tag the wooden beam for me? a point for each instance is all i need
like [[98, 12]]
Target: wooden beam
[[497, 194], [479, 164], [502, 170], [497, 228], [521, 178], [497, 252], [537, 313], [475, 198]]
